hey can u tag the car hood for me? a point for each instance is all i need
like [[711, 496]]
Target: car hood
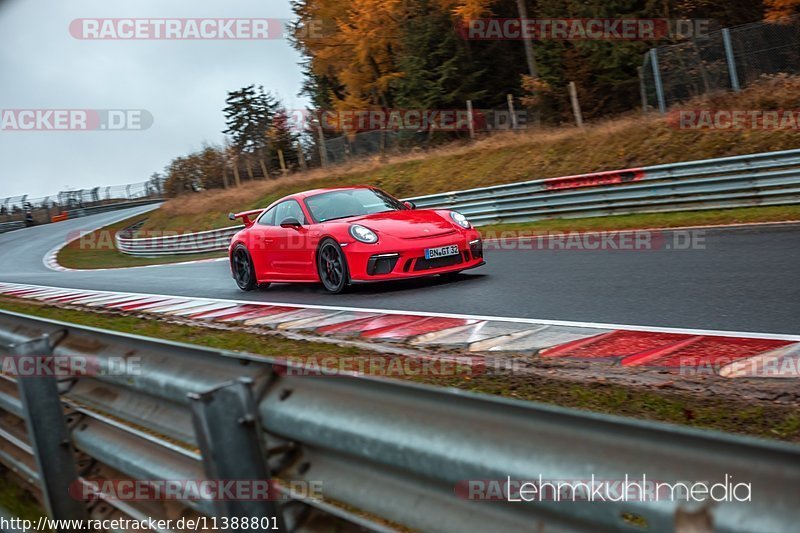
[[407, 224]]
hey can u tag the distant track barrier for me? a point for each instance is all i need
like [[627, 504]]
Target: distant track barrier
[[10, 226], [771, 178]]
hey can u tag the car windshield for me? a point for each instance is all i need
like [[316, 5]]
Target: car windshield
[[350, 203]]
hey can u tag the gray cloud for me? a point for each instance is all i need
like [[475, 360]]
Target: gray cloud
[[183, 84]]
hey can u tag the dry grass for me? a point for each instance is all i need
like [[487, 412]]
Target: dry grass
[[622, 142]]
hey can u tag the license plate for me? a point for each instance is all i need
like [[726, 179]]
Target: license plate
[[442, 251]]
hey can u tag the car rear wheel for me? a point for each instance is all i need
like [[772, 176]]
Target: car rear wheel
[[243, 271], [332, 267]]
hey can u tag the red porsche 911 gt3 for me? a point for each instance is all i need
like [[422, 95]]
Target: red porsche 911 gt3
[[346, 235]]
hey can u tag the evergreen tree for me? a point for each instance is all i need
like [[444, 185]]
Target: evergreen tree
[[248, 116]]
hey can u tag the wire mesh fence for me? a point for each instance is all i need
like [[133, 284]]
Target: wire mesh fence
[[42, 209], [343, 148], [726, 59]]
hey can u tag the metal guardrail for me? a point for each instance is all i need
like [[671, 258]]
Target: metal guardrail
[[771, 178], [177, 244], [10, 226], [86, 211], [388, 454]]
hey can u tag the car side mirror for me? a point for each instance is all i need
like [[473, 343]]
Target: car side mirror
[[290, 222], [410, 205]]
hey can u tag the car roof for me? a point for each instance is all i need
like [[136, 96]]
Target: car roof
[[314, 192]]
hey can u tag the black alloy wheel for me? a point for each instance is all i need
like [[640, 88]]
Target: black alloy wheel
[[243, 271]]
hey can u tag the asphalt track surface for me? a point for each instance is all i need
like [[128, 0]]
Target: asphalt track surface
[[742, 280]]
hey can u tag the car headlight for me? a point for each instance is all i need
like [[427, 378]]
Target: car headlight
[[363, 234], [460, 219]]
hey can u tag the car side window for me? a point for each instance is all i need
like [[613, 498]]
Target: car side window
[[288, 209], [267, 218]]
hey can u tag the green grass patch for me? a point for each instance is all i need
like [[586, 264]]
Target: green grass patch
[[17, 501], [709, 412]]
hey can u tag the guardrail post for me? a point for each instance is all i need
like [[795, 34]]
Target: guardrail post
[[731, 59], [47, 430], [229, 435]]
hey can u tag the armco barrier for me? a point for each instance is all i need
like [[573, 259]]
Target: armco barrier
[[771, 178], [10, 226], [387, 455]]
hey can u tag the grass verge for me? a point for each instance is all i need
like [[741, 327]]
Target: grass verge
[[725, 414], [18, 502], [619, 143]]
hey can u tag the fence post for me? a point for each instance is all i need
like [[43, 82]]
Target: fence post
[[237, 179], [229, 436], [301, 157], [576, 108], [264, 169], [471, 120], [49, 436], [512, 112], [642, 91], [323, 151], [662, 106], [731, 59], [526, 41], [282, 161]]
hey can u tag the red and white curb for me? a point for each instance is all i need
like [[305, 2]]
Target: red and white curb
[[728, 354]]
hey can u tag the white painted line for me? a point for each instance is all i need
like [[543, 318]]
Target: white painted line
[[534, 321]]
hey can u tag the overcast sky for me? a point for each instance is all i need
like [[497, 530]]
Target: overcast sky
[[183, 84]]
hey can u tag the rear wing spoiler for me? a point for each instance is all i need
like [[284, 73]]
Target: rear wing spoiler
[[248, 217]]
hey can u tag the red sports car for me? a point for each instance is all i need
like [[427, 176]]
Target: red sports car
[[347, 235]]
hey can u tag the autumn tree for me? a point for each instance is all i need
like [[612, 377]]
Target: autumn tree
[[778, 9]]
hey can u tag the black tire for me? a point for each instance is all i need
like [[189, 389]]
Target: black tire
[[332, 267], [242, 267]]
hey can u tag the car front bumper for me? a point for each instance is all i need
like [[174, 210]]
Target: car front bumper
[[405, 258]]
